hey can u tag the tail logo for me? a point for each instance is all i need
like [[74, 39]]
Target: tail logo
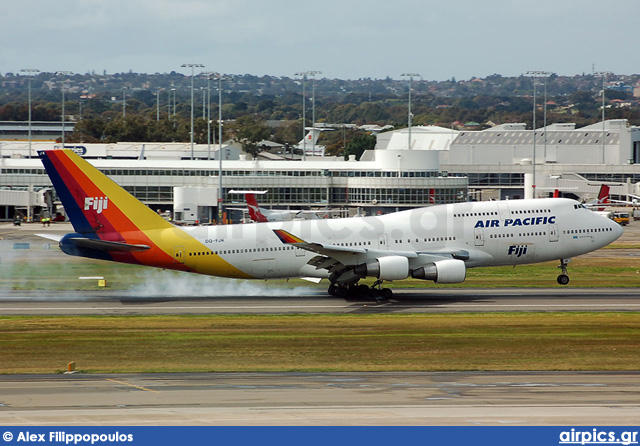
[[98, 204]]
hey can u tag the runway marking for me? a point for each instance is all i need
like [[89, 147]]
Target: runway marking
[[132, 385], [295, 307]]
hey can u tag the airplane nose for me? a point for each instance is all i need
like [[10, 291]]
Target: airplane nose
[[617, 230]]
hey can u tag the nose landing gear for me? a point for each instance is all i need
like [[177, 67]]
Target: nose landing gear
[[563, 279]]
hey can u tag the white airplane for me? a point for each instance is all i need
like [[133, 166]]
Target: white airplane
[[262, 215], [309, 143], [437, 243]]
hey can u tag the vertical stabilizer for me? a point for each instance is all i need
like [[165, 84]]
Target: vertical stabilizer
[[254, 210], [93, 202]]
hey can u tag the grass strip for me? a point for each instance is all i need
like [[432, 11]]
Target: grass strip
[[59, 276], [413, 342]]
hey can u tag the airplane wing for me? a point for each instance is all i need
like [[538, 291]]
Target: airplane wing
[[324, 249], [338, 258]]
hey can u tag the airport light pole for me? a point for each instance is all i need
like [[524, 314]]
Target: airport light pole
[[30, 70], [208, 74], [220, 195], [63, 73], [80, 120], [313, 109], [170, 102], [535, 75], [304, 113], [410, 115], [204, 98], [124, 102], [158, 90], [603, 75], [193, 66]]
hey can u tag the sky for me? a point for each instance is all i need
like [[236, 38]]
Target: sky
[[344, 39]]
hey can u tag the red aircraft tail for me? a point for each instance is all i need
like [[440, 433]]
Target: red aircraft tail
[[254, 209], [603, 195]]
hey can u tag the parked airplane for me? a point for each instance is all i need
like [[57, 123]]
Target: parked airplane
[[262, 215], [436, 243], [309, 143], [602, 200]]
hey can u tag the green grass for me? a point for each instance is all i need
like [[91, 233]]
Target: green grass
[[63, 275], [415, 342], [50, 270]]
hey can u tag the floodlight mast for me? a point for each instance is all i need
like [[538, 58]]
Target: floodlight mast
[[193, 66], [410, 115], [220, 195], [30, 71], [304, 75], [63, 73], [603, 75], [535, 75], [208, 74]]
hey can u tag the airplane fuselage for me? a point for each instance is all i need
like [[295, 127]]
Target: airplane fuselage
[[436, 243], [483, 233]]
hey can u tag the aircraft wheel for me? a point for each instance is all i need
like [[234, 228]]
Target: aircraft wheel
[[332, 290], [386, 293], [341, 291], [363, 290], [563, 279]]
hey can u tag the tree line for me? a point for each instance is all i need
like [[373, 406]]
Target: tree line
[[248, 116]]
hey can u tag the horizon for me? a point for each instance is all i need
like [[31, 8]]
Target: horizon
[[346, 40], [298, 78]]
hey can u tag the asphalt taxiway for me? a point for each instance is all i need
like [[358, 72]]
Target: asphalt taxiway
[[383, 398], [456, 398], [106, 302]]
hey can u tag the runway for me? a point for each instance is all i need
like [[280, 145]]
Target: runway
[[495, 398], [106, 302]]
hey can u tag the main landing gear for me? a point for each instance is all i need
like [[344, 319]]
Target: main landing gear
[[563, 279], [355, 290]]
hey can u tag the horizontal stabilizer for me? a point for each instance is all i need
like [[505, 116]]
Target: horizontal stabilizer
[[244, 192], [54, 237], [103, 245]]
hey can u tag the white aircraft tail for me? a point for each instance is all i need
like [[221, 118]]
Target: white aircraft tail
[[310, 142]]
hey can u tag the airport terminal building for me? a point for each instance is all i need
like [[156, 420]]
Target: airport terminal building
[[437, 165], [499, 161], [387, 181]]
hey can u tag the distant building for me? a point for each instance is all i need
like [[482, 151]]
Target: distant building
[[383, 181], [40, 130], [497, 160]]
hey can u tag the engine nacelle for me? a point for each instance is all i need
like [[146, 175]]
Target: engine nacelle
[[442, 271], [385, 268]]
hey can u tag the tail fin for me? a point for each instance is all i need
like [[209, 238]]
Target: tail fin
[[311, 137], [93, 202], [556, 193], [432, 196], [603, 195], [254, 210]]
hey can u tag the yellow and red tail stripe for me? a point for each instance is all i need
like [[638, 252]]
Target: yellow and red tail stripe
[[287, 238], [100, 209]]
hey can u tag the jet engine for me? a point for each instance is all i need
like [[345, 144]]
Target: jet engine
[[385, 268], [442, 271]]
